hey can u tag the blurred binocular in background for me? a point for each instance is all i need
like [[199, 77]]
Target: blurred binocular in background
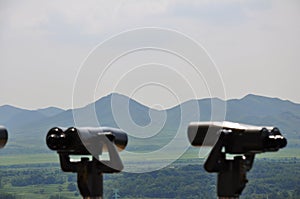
[[3, 136]]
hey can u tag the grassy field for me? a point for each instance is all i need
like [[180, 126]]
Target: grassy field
[[6, 160], [283, 153], [189, 157]]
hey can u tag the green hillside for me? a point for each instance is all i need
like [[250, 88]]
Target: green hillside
[[27, 129]]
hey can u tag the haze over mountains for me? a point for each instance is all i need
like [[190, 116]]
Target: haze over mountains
[[30, 126]]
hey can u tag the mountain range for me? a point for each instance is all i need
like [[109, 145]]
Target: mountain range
[[27, 128]]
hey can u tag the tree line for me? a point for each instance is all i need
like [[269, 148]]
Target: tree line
[[268, 178]]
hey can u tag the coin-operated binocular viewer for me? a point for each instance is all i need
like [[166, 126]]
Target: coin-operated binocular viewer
[[3, 136], [238, 140], [88, 141]]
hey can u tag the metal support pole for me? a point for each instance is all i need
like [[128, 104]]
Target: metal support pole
[[90, 173], [231, 173], [90, 179]]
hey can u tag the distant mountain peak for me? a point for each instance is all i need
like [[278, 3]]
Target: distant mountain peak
[[260, 97], [9, 107], [253, 96], [50, 111], [119, 98]]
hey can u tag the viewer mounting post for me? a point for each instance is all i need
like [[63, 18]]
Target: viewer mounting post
[[242, 141], [89, 172]]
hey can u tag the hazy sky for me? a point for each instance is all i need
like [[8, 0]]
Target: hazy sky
[[255, 45]]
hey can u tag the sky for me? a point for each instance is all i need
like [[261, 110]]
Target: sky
[[45, 46]]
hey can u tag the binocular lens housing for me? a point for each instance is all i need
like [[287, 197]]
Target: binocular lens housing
[[238, 139], [71, 140], [3, 136], [253, 141]]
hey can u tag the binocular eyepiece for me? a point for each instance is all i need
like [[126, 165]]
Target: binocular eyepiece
[[238, 138], [78, 141], [3, 136]]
